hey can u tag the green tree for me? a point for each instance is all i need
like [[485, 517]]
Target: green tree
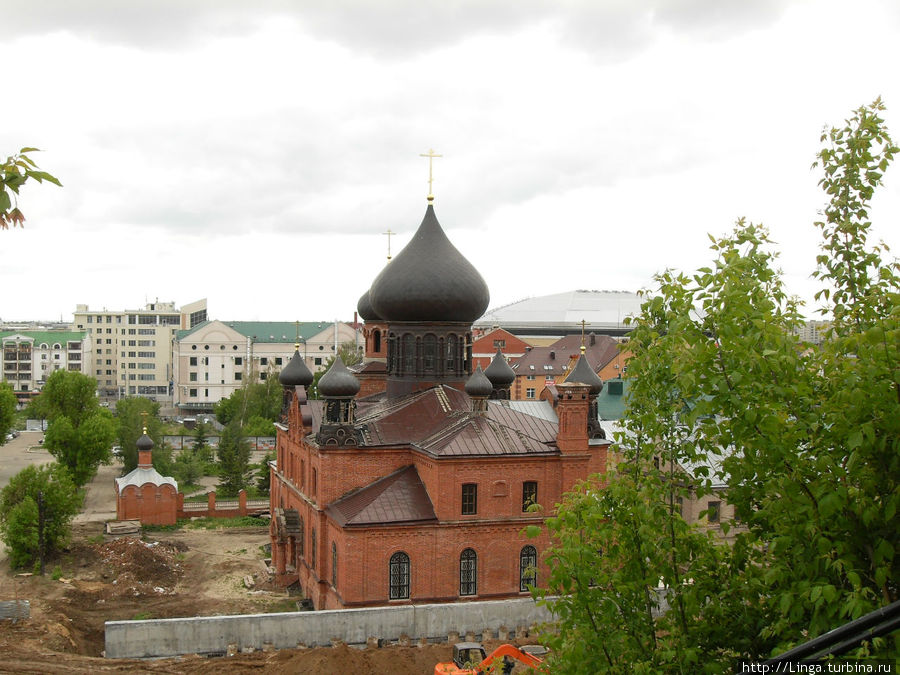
[[7, 409], [253, 400], [808, 442], [14, 173], [259, 426], [201, 447], [130, 426], [24, 525], [263, 475], [187, 467], [80, 433], [350, 355], [234, 460]]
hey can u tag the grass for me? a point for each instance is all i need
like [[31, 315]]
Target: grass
[[286, 605], [209, 524], [237, 521], [142, 616]]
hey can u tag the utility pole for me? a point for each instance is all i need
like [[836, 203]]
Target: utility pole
[[40, 505]]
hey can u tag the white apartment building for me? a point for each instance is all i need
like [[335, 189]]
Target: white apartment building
[[29, 357], [212, 360], [132, 348]]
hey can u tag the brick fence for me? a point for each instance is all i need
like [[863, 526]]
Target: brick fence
[[223, 509]]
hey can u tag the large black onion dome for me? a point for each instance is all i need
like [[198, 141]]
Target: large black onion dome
[[429, 280], [478, 386], [583, 373], [296, 373], [499, 372], [338, 382], [365, 310], [144, 442]]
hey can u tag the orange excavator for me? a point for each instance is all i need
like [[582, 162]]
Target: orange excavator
[[469, 658]]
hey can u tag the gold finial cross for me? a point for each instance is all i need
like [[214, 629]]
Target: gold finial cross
[[430, 157], [389, 234], [583, 322], [297, 338], [144, 420]]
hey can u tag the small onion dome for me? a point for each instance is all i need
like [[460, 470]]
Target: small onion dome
[[365, 310], [499, 372], [144, 442], [429, 280], [338, 382], [296, 373], [478, 386], [583, 373]]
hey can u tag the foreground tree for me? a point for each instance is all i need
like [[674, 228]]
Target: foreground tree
[[80, 433], [35, 511], [808, 441], [7, 409], [14, 173]]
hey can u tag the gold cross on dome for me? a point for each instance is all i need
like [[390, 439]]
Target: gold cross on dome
[[583, 322], [144, 420], [431, 155], [389, 234]]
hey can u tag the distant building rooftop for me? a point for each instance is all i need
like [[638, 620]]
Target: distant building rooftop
[[562, 313]]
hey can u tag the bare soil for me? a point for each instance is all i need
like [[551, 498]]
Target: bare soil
[[167, 574]]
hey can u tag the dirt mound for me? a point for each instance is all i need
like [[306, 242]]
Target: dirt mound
[[142, 568]]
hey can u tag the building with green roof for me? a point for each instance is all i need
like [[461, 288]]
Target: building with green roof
[[215, 358], [29, 357]]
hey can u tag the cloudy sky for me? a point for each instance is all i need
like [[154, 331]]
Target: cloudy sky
[[254, 153]]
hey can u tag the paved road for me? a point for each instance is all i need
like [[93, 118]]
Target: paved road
[[20, 452], [100, 495]]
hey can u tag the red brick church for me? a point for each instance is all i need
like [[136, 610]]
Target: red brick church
[[410, 480]]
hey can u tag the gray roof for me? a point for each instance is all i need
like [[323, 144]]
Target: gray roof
[[429, 280], [541, 409], [600, 309], [141, 476]]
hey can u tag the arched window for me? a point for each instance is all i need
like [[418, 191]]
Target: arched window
[[408, 351], [429, 352], [312, 548], [334, 564], [392, 353], [451, 353], [399, 576], [301, 539], [468, 572], [527, 568], [376, 339]]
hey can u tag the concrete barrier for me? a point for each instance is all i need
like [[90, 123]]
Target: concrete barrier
[[212, 635]]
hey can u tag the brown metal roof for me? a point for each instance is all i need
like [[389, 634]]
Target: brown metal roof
[[399, 497], [440, 421], [598, 355]]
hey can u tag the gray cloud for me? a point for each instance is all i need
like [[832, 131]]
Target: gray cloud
[[396, 28]]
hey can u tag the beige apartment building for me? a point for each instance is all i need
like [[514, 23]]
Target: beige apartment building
[[29, 357], [213, 359], [132, 348]]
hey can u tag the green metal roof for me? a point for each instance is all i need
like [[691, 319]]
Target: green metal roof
[[267, 331], [47, 336], [611, 406]]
